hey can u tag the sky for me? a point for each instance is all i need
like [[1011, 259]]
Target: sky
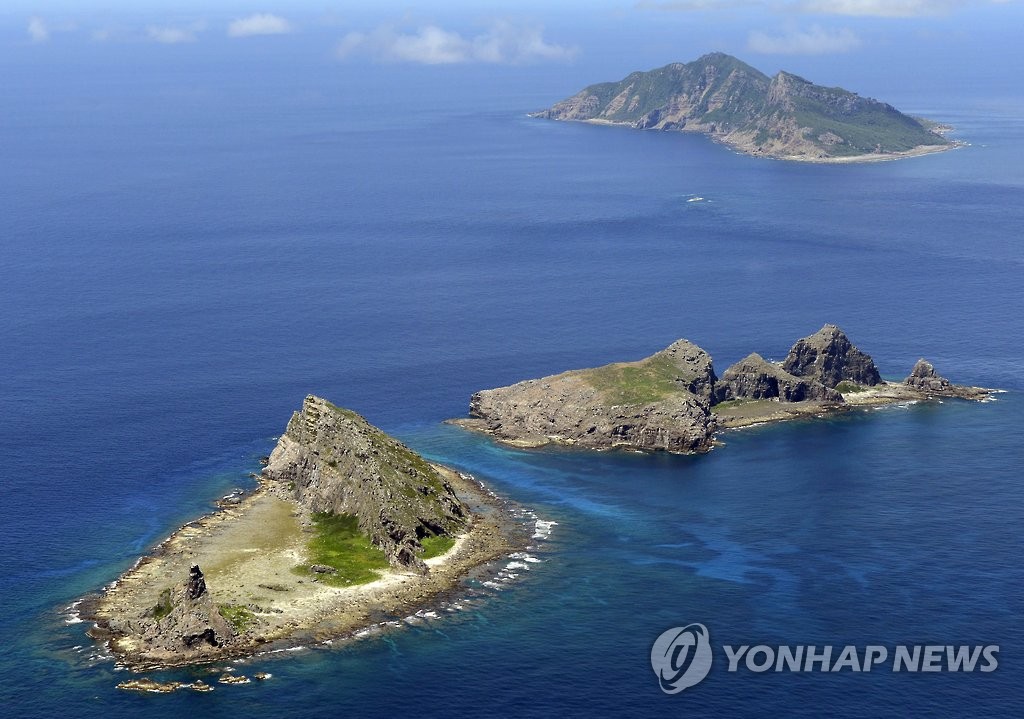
[[874, 46]]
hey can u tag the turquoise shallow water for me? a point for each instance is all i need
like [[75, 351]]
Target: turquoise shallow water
[[174, 288]]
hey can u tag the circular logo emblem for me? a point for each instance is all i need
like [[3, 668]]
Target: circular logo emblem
[[681, 657]]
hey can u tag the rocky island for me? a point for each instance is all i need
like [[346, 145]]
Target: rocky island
[[347, 524], [673, 401], [784, 117]]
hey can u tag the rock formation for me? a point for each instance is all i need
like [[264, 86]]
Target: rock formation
[[187, 619], [781, 116], [924, 377], [673, 401], [659, 403], [753, 377], [829, 357], [332, 460]]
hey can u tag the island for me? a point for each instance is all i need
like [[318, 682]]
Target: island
[[347, 526], [784, 117], [673, 401]]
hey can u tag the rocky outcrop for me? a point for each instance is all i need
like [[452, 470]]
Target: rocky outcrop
[[829, 357], [924, 377], [659, 403], [187, 619], [673, 401], [753, 377], [926, 380], [332, 460], [781, 116]]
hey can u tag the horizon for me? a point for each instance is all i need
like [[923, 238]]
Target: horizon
[[889, 51]]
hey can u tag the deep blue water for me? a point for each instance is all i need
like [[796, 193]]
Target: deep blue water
[[179, 267]]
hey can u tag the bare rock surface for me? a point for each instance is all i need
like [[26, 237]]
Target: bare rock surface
[[829, 357], [332, 460]]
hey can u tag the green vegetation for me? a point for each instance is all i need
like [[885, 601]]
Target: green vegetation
[[237, 616], [341, 545], [436, 546], [870, 126], [722, 91], [651, 380], [163, 606], [847, 387], [728, 404]]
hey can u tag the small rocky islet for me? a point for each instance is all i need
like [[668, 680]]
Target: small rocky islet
[[347, 525], [673, 400]]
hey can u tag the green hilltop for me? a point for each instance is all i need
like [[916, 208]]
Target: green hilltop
[[783, 116]]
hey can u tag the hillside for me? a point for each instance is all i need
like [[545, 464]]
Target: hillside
[[784, 116]]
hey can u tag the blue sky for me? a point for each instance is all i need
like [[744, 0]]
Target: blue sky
[[878, 45]]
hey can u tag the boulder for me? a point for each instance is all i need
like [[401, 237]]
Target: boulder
[[924, 378]]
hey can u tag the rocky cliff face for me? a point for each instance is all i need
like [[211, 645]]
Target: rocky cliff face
[[332, 460], [660, 403], [829, 357], [783, 116], [753, 377]]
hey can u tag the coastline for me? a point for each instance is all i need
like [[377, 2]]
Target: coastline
[[749, 413], [247, 551], [919, 151]]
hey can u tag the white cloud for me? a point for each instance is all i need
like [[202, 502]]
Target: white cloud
[[879, 8], [816, 40], [259, 24], [504, 42], [855, 8], [38, 29], [175, 35]]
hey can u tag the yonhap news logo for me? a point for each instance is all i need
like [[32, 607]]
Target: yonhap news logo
[[681, 657]]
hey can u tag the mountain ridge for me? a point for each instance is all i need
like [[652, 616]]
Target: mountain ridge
[[783, 116]]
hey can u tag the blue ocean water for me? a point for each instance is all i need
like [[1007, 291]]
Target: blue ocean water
[[182, 264]]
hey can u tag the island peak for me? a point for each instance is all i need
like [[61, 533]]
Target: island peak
[[785, 116]]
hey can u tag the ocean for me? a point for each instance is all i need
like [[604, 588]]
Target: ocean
[[182, 263]]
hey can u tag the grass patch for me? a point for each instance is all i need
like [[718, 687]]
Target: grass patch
[[163, 606], [728, 404], [847, 387], [237, 616], [643, 382], [436, 546], [340, 544]]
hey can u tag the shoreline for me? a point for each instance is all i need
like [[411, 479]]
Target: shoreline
[[919, 151], [751, 413], [248, 549]]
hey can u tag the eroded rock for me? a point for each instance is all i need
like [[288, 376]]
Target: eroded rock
[[753, 377], [829, 357]]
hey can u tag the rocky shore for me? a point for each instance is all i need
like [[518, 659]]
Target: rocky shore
[[673, 401], [241, 580]]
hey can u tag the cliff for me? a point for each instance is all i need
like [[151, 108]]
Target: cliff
[[784, 116], [673, 400], [333, 461]]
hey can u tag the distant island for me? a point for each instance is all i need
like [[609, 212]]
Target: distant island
[[784, 117], [673, 401], [348, 525]]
